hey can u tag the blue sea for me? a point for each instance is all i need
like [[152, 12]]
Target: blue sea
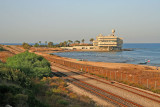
[[140, 53], [19, 43], [22, 43]]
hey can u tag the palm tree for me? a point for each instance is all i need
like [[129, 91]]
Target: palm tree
[[69, 42], [77, 41], [91, 40], [46, 43], [50, 44], [40, 42], [83, 41], [65, 43], [61, 44], [36, 45]]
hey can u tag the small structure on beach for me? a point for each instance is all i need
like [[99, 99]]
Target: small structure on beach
[[102, 43]]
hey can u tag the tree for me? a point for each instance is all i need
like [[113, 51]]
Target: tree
[[36, 45], [46, 43], [77, 41], [1, 48], [40, 42], [26, 45], [50, 44], [91, 40], [61, 44], [83, 40], [69, 42], [65, 43]]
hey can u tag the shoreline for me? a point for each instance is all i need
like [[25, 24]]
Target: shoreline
[[103, 64], [131, 73], [155, 67], [48, 51]]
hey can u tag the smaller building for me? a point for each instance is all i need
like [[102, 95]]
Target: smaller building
[[87, 48]]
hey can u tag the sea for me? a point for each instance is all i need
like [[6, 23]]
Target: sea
[[19, 43], [141, 52]]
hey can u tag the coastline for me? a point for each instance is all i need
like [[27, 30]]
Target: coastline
[[109, 65], [131, 73], [102, 63], [48, 51]]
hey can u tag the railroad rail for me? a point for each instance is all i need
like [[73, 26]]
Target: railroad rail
[[13, 49], [108, 96], [130, 89]]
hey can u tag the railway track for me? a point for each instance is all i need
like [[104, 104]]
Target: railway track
[[16, 48], [130, 89], [13, 49], [115, 99]]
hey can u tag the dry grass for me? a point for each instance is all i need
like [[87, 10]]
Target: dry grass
[[4, 55]]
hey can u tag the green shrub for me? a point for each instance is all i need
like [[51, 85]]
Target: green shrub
[[106, 78], [21, 100], [17, 96], [26, 45], [36, 45], [7, 94], [17, 89], [63, 102], [15, 76], [1, 48], [31, 64], [156, 91]]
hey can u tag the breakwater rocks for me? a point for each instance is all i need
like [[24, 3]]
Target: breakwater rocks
[[127, 49]]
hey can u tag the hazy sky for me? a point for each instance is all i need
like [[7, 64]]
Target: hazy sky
[[137, 21]]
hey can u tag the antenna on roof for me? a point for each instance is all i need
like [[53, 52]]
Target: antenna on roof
[[113, 31]]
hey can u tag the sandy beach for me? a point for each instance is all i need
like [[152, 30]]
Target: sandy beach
[[141, 72]]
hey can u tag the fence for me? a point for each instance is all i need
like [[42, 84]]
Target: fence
[[152, 81]]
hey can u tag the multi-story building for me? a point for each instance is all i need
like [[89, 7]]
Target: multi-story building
[[110, 42], [102, 43]]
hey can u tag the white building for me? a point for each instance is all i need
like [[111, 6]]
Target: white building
[[102, 43], [110, 42]]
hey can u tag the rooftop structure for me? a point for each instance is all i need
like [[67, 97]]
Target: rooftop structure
[[110, 42]]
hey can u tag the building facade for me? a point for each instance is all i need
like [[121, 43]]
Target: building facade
[[110, 42]]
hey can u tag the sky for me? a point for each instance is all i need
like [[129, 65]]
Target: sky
[[136, 21]]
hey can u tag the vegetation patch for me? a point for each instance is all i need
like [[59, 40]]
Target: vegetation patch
[[31, 64], [26, 46], [24, 83], [16, 88], [141, 86], [2, 49]]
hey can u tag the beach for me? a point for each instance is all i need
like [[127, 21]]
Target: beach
[[130, 72]]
